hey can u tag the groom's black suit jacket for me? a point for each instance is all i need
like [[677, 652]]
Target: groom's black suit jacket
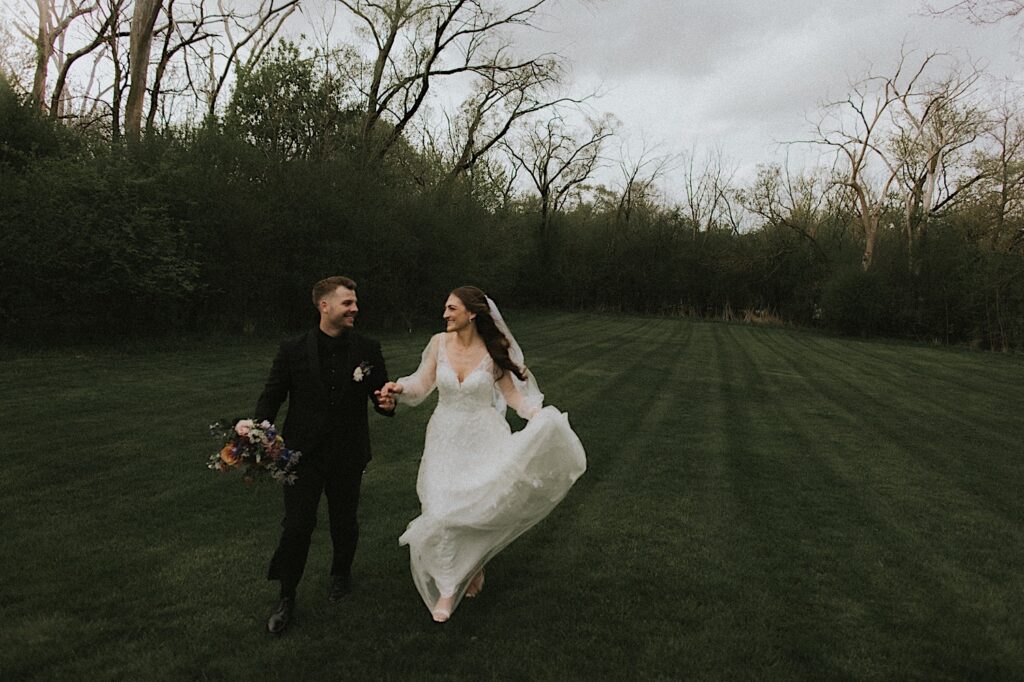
[[312, 424]]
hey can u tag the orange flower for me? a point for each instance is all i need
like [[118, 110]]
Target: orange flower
[[227, 456]]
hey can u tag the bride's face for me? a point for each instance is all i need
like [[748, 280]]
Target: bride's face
[[456, 316]]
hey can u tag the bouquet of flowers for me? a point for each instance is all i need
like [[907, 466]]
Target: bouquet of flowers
[[257, 447]]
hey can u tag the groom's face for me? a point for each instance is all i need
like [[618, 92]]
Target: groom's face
[[339, 308]]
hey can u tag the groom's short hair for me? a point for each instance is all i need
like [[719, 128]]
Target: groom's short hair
[[328, 285]]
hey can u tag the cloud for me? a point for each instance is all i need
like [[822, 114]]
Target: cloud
[[613, 39], [742, 75]]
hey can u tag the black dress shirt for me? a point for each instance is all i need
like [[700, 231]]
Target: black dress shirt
[[333, 364]]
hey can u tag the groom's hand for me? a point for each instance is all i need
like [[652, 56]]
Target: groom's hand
[[385, 400]]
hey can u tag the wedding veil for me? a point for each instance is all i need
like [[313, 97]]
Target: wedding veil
[[532, 397]]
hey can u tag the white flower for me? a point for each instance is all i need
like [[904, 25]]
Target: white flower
[[361, 372]]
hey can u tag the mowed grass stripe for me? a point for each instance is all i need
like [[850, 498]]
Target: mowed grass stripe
[[914, 504], [868, 510], [782, 523], [944, 394], [793, 559], [978, 373], [925, 388], [901, 411], [904, 484], [614, 520], [978, 460], [735, 522]]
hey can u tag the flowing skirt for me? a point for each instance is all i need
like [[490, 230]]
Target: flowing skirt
[[481, 487]]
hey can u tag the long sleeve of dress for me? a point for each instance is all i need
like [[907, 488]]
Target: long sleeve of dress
[[526, 406], [420, 384]]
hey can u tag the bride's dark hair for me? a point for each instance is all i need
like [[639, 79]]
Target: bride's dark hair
[[497, 344]]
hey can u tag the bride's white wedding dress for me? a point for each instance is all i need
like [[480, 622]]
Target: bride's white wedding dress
[[480, 485]]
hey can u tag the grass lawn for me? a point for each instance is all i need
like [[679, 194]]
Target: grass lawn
[[759, 504]]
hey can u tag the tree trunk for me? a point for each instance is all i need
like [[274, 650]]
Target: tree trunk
[[44, 49], [143, 19], [545, 211], [870, 237], [920, 234], [117, 92]]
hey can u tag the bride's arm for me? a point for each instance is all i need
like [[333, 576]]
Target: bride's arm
[[414, 389], [516, 400]]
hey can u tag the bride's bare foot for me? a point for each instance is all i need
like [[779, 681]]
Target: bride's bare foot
[[442, 610], [476, 585]]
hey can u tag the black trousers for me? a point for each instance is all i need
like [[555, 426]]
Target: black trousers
[[339, 481]]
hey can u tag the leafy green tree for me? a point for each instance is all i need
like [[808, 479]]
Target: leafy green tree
[[23, 133], [293, 107]]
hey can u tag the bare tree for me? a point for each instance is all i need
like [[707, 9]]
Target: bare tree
[[104, 30], [500, 178], [219, 40], [145, 54], [53, 19], [794, 203], [707, 188], [175, 35], [857, 128], [502, 97], [980, 11], [16, 57], [558, 158], [119, 83], [248, 35], [417, 41], [983, 13], [933, 125], [902, 134], [640, 176], [1001, 165]]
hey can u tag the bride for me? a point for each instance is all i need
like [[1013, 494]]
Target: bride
[[480, 485]]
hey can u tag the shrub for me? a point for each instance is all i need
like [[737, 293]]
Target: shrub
[[855, 302]]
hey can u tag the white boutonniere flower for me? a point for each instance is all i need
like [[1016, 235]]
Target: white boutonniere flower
[[362, 371]]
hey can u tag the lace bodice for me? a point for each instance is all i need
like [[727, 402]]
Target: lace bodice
[[478, 390], [474, 392]]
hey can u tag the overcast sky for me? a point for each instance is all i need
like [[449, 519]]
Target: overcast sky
[[736, 75], [743, 75]]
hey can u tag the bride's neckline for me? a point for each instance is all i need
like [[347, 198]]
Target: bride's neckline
[[448, 361]]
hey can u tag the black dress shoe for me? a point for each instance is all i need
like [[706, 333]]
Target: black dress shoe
[[281, 617], [340, 586]]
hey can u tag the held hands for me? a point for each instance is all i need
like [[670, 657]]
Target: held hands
[[387, 395]]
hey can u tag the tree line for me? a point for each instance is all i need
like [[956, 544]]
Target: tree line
[[208, 171]]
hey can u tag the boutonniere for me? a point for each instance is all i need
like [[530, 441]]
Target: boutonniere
[[362, 371]]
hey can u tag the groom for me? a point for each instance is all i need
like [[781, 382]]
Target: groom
[[327, 374]]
